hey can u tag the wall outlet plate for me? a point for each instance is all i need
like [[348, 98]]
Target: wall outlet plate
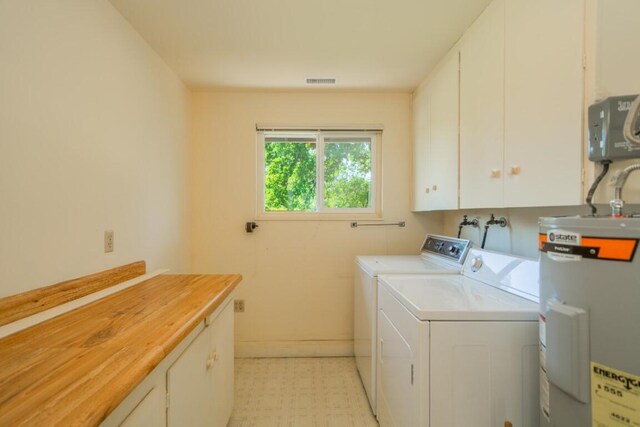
[[238, 305], [108, 241]]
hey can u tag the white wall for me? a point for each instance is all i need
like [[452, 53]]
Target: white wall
[[613, 32], [298, 275], [520, 237], [93, 136]]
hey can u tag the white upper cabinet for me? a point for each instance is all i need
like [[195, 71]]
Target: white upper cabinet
[[544, 86], [443, 124], [482, 110], [521, 104], [435, 161], [421, 146]]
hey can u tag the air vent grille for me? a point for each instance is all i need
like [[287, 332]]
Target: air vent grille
[[321, 81]]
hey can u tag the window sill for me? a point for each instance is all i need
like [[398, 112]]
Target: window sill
[[316, 216]]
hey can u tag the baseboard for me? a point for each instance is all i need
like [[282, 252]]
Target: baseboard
[[328, 348]]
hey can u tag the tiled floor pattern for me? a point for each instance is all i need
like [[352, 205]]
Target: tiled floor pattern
[[299, 392]]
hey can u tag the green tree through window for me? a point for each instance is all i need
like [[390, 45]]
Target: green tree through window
[[347, 175], [291, 175]]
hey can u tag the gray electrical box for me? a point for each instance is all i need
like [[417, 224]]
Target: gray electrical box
[[606, 120]]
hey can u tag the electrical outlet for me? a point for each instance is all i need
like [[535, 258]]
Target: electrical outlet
[[108, 241], [238, 305]]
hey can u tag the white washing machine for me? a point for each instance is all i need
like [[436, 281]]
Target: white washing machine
[[439, 255], [460, 351]]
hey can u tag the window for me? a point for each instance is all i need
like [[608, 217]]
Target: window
[[309, 173]]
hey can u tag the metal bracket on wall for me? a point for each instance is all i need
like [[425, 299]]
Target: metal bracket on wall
[[250, 226], [356, 224]]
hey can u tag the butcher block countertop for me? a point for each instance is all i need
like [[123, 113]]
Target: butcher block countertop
[[76, 368]]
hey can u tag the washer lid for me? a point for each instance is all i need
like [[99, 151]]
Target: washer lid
[[453, 297], [404, 264]]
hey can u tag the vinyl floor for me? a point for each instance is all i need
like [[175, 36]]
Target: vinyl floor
[[299, 392]]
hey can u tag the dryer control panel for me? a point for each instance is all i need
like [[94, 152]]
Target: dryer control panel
[[448, 247]]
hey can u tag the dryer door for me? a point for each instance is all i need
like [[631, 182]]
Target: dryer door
[[398, 390]]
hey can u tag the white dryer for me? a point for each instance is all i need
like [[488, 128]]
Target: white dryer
[[459, 351], [439, 255]]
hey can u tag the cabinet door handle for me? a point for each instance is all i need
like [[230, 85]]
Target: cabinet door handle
[[495, 173], [515, 170]]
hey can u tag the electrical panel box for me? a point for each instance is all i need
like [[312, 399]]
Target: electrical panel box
[[606, 120]]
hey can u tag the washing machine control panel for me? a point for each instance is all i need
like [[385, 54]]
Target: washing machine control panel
[[448, 247]]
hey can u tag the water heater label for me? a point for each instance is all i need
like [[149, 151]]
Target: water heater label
[[615, 397], [563, 246], [562, 237]]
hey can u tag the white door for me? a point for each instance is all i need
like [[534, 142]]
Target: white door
[[482, 110], [484, 374], [544, 85], [398, 394], [444, 125]]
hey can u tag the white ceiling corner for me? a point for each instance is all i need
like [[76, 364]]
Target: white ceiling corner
[[278, 44]]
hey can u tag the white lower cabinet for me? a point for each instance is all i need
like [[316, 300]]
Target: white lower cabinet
[[149, 412], [200, 382], [192, 386], [435, 144]]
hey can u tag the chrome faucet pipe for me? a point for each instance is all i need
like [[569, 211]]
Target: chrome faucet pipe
[[617, 203], [502, 222], [474, 223]]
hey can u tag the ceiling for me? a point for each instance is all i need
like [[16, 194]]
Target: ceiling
[[277, 44]]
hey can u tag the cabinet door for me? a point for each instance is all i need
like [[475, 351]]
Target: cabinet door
[[189, 385], [149, 412], [482, 110], [421, 186], [200, 382], [544, 84], [443, 127], [222, 369]]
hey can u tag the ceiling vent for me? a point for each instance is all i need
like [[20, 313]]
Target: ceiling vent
[[321, 81]]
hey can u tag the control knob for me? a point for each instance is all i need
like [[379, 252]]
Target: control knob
[[454, 250]]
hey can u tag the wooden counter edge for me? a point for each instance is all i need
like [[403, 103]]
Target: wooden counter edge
[[209, 308]]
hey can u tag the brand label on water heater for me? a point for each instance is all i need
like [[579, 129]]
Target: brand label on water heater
[[563, 245], [564, 237], [567, 246], [615, 397]]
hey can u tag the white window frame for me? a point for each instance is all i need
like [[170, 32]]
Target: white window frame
[[372, 213]]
